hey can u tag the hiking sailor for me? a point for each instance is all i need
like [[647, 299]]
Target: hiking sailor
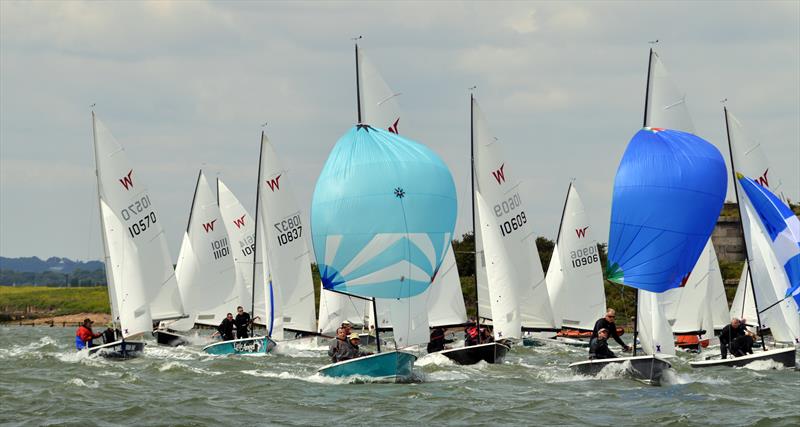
[[84, 335], [225, 328], [598, 346], [607, 322]]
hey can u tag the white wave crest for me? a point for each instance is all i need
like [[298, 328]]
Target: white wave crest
[[763, 365], [81, 383]]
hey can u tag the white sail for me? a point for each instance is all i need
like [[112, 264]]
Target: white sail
[[749, 157], [768, 277], [507, 238], [717, 298], [140, 272], [445, 300], [535, 309], [379, 107], [666, 104], [241, 231], [574, 277], [743, 306], [482, 279], [335, 308], [285, 254], [655, 334], [686, 306], [205, 271]]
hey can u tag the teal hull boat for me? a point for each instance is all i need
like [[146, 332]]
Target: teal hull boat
[[391, 366], [254, 345]]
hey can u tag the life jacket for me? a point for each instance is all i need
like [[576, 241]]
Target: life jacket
[[82, 336], [472, 332]]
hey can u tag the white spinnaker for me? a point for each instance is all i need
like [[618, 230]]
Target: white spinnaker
[[241, 232], [504, 298], [141, 272], [335, 308], [685, 307], [287, 255], [654, 332], [666, 104], [749, 157], [574, 276], [743, 306], [769, 279], [379, 107], [505, 229], [205, 270]]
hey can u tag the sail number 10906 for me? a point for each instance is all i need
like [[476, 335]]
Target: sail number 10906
[[585, 256]]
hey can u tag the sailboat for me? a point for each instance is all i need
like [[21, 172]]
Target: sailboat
[[698, 306], [205, 270], [574, 276], [141, 280], [772, 244], [668, 192], [443, 302], [383, 214]]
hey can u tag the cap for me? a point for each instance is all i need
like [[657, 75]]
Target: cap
[[87, 320], [354, 336], [347, 322]]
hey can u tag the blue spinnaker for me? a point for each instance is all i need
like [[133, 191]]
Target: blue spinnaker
[[783, 229], [382, 215], [668, 193]]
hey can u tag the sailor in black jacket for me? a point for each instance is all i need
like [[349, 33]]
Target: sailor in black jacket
[[607, 323]]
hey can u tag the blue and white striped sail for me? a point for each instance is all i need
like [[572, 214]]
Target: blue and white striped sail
[[382, 215], [668, 192], [783, 229]]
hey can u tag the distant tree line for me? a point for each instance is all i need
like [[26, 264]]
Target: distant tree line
[[77, 278]]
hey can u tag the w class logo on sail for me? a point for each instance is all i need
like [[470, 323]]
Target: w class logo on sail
[[127, 181], [209, 226], [581, 232], [762, 180], [393, 127], [500, 175], [239, 222], [274, 183]]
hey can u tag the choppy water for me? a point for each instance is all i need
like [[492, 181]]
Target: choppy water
[[44, 381]]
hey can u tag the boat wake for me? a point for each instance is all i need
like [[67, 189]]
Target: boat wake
[[178, 366], [763, 365], [81, 383], [434, 359], [313, 378], [671, 377]]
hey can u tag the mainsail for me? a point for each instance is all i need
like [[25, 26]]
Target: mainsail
[[516, 287], [241, 230], [383, 215], [574, 277], [205, 269], [284, 252], [668, 192], [141, 280]]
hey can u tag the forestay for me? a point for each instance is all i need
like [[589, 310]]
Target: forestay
[[666, 104], [241, 231], [749, 157], [383, 214], [655, 334], [574, 277], [514, 272], [142, 285], [205, 269], [335, 308], [284, 254], [743, 306], [379, 107]]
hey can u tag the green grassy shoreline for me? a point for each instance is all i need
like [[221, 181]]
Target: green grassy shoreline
[[38, 301]]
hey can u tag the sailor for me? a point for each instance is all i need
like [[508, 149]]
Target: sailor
[[109, 335], [598, 346], [735, 338], [354, 351], [84, 335], [339, 348], [486, 335], [471, 335], [347, 326], [437, 340], [225, 328], [242, 322], [607, 322]]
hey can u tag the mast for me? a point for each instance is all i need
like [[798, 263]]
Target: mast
[[107, 258], [358, 86], [472, 198], [377, 333], [194, 197], [741, 225], [255, 236], [563, 211]]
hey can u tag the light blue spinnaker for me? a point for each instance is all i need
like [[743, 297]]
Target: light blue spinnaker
[[668, 192], [382, 215], [783, 228]]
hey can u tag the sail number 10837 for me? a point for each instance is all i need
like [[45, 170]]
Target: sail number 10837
[[289, 230]]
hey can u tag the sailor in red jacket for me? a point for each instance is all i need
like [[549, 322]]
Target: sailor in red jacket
[[84, 335]]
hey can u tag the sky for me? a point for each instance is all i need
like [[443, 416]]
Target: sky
[[187, 85]]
